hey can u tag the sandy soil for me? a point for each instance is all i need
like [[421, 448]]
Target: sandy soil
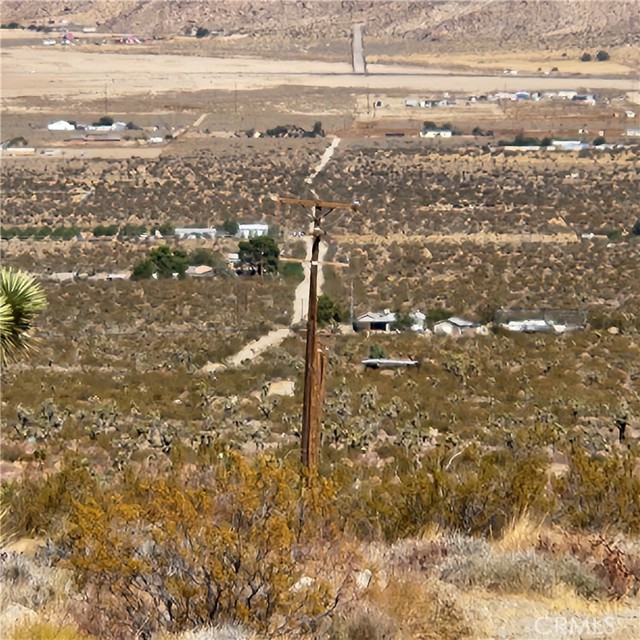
[[62, 74], [524, 62], [459, 238]]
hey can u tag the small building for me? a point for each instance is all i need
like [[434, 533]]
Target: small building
[[569, 145], [418, 321], [63, 276], [200, 271], [541, 320], [19, 151], [633, 133], [456, 327], [61, 125], [254, 230], [436, 133], [119, 275], [192, 233], [529, 326], [375, 321]]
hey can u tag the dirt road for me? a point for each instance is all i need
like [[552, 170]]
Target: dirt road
[[301, 297], [301, 302]]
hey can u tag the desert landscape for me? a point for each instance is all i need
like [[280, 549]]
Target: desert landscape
[[478, 320]]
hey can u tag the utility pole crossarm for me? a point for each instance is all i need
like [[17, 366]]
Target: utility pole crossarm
[[320, 204]]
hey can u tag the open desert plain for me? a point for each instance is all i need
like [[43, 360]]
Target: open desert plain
[[320, 320]]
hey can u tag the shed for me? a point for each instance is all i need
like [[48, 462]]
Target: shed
[[455, 326], [61, 125], [436, 133]]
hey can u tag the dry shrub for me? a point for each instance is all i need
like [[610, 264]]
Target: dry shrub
[[520, 572], [406, 606], [28, 583], [600, 492], [219, 632], [363, 621], [227, 547], [615, 563]]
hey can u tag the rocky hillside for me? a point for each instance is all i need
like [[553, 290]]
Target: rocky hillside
[[475, 24]]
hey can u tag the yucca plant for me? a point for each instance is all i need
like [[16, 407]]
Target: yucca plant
[[21, 300]]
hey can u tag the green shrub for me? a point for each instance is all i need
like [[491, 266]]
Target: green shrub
[[292, 271]]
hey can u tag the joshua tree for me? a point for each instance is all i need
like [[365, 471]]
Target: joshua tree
[[21, 299]]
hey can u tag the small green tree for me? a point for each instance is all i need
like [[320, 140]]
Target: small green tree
[[635, 230], [602, 56], [105, 230], [203, 256], [143, 270], [166, 229], [329, 311], [599, 140], [260, 255], [231, 227], [586, 57], [20, 141], [377, 352], [163, 262], [403, 321]]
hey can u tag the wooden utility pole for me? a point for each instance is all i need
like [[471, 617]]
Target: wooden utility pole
[[315, 361]]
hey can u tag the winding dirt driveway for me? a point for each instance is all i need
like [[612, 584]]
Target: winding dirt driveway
[[300, 305]]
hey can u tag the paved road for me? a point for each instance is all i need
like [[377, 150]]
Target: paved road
[[357, 49]]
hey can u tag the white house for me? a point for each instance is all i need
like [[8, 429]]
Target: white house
[[383, 321], [436, 133], [633, 133], [61, 125], [375, 321], [455, 326], [252, 230]]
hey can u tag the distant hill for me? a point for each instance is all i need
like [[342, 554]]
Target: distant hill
[[454, 24]]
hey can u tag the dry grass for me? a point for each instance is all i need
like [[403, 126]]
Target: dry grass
[[45, 631], [521, 533]]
